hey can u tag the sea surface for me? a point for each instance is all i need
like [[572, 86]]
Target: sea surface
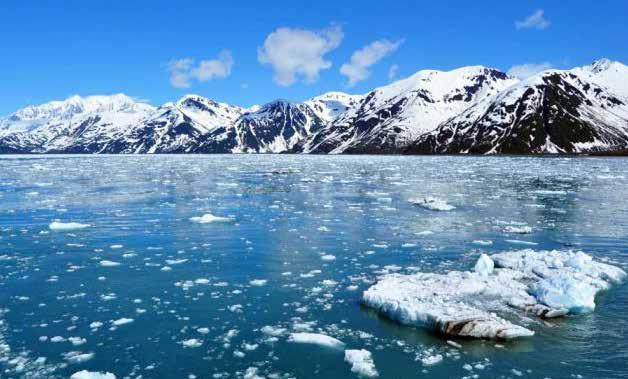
[[144, 291]]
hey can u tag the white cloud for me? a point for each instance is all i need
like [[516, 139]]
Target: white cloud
[[358, 67], [526, 70], [536, 20], [183, 71], [298, 54], [392, 71]]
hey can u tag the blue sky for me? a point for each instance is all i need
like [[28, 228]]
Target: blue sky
[[243, 52]]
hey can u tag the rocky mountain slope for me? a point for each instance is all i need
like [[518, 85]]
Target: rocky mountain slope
[[468, 110], [574, 111], [391, 117]]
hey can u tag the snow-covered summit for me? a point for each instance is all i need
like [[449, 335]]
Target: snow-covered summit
[[391, 117], [329, 106], [74, 105]]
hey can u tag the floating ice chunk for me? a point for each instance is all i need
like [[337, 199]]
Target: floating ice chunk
[[432, 203], [272, 330], [258, 282], [452, 304], [518, 229], [63, 226], [361, 362], [209, 218], [122, 321], [192, 343], [95, 325], [564, 291], [106, 263], [328, 257], [84, 374], [484, 265], [567, 281], [431, 360], [483, 242], [546, 283], [251, 373], [316, 339], [77, 356], [203, 330], [77, 341]]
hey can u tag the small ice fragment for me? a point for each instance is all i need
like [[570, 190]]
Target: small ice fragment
[[431, 360], [483, 242], [484, 266], [518, 229], [258, 282], [361, 362], [106, 263], [209, 218], [84, 374], [122, 321], [77, 341], [273, 331], [77, 357], [62, 226], [251, 373], [432, 203], [316, 339], [192, 343]]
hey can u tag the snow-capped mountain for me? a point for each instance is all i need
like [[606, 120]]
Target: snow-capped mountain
[[275, 127], [331, 105], [468, 110], [75, 125], [573, 111], [176, 127], [390, 118]]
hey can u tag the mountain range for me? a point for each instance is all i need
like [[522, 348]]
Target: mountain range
[[471, 110]]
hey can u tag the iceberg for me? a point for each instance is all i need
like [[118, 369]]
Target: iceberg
[[546, 284]]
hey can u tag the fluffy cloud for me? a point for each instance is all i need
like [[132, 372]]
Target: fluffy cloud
[[536, 20], [296, 54], [358, 67], [184, 71], [392, 71], [524, 71]]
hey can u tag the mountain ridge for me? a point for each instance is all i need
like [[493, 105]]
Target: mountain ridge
[[469, 110]]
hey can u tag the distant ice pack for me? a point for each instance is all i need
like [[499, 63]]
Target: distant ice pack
[[485, 303]]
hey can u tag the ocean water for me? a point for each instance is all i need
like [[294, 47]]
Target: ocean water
[[146, 292]]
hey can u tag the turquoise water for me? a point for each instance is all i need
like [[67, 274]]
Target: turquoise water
[[179, 280]]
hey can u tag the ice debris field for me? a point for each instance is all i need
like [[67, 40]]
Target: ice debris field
[[308, 267]]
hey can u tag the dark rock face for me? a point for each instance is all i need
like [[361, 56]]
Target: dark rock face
[[558, 115]]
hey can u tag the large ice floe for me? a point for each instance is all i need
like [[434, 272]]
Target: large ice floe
[[546, 284]]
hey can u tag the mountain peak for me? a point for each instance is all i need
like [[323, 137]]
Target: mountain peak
[[76, 104], [600, 65], [604, 64]]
